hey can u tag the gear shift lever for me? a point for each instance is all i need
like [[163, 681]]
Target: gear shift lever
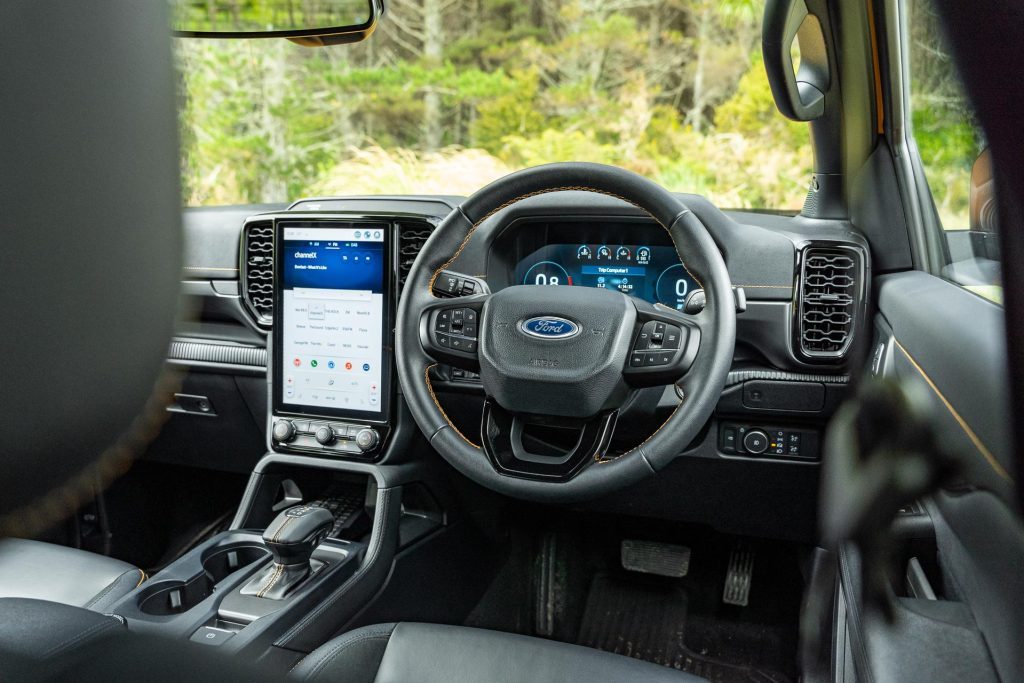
[[291, 538]]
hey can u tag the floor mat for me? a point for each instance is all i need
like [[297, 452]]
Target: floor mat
[[647, 618]]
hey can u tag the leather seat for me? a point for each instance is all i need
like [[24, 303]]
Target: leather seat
[[429, 653], [44, 571]]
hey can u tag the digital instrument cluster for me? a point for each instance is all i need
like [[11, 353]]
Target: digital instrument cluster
[[652, 273]]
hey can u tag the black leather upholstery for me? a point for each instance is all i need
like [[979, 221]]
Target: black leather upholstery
[[35, 634], [430, 652], [43, 571]]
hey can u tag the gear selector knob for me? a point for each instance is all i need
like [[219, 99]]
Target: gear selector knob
[[295, 533], [291, 538]]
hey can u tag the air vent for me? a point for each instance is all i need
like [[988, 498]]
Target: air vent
[[411, 238], [258, 270], [829, 293]]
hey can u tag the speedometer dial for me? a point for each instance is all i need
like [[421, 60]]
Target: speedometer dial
[[547, 273], [673, 286]]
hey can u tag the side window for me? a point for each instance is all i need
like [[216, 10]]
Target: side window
[[953, 152]]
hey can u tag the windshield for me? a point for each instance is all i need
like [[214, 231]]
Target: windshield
[[451, 94]]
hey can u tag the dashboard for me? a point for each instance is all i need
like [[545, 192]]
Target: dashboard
[[652, 273], [257, 321]]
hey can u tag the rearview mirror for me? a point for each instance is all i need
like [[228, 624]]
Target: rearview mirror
[[313, 23]]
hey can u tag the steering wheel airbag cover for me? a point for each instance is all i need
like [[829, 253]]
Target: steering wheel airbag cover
[[576, 376]]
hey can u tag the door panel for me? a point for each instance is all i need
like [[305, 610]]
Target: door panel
[[950, 344]]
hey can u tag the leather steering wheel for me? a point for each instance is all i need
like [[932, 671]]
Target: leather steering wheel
[[564, 356]]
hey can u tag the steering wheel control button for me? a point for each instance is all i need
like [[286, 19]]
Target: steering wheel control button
[[672, 334], [443, 323], [755, 442], [636, 360], [643, 340]]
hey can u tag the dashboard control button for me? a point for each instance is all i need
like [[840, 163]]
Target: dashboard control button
[[755, 441], [468, 287], [729, 440], [367, 439], [448, 284], [325, 436], [284, 431]]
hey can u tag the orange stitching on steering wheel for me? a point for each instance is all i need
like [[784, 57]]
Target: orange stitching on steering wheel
[[465, 241]]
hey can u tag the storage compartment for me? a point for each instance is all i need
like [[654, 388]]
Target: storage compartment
[[350, 497]]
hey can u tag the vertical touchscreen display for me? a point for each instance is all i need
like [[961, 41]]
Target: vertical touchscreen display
[[332, 317]]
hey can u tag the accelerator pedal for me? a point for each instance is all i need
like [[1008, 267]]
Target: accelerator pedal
[[650, 557], [737, 579]]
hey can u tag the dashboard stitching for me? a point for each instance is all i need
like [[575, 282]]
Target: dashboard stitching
[[433, 396], [465, 241]]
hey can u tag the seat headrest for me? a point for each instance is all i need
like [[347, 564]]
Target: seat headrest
[[90, 241]]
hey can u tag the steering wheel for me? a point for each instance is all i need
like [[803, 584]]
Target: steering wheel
[[564, 356]]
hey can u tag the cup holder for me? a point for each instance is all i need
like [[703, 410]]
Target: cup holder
[[222, 562], [163, 598]]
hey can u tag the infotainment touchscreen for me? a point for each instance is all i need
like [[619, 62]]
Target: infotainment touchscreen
[[331, 319]]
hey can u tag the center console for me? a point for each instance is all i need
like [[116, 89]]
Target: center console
[[331, 382]]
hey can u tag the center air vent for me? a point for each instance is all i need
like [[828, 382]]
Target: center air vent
[[258, 270], [411, 237], [829, 296]]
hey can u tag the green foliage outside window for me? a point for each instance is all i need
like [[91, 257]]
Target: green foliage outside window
[[451, 94]]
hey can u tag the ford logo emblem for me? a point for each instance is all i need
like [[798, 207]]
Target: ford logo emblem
[[550, 327]]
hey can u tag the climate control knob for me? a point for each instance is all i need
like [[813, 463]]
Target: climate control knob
[[367, 439], [325, 436], [284, 431], [755, 441]]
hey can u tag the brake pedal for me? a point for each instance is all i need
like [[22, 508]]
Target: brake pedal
[[737, 579], [650, 557]]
